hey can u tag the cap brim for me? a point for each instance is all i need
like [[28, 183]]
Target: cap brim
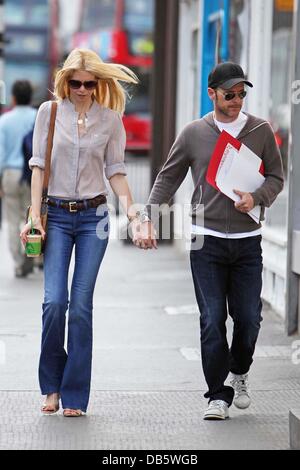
[[234, 81]]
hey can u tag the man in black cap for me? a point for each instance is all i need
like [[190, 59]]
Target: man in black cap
[[226, 88], [226, 258]]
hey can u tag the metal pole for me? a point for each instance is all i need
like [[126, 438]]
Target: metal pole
[[164, 81], [164, 86], [293, 268]]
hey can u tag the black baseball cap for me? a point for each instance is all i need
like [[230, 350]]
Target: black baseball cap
[[226, 75]]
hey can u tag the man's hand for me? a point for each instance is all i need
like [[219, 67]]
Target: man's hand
[[246, 203], [143, 235]]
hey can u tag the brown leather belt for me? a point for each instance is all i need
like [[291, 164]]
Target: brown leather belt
[[75, 206]]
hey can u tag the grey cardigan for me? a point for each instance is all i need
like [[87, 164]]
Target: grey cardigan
[[193, 149]]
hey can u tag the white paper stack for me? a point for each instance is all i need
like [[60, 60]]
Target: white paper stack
[[239, 170]]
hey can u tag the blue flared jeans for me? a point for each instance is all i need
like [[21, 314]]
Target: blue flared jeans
[[66, 369]]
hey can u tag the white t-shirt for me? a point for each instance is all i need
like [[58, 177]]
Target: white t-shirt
[[234, 128]]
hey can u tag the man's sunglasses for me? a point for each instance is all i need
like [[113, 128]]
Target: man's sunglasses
[[88, 85], [230, 95]]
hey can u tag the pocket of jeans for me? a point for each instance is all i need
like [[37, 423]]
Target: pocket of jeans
[[56, 213], [52, 210], [252, 245]]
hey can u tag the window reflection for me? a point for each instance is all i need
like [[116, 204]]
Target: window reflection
[[138, 15], [98, 14], [26, 13]]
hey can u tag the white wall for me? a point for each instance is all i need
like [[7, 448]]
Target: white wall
[[69, 11], [260, 48], [68, 24]]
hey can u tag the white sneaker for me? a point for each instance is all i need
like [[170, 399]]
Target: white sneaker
[[217, 409], [241, 391]]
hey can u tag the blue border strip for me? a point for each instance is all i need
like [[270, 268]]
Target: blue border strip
[[213, 9]]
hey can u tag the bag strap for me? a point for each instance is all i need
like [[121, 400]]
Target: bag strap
[[49, 148]]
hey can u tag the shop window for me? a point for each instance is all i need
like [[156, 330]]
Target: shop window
[[280, 108]]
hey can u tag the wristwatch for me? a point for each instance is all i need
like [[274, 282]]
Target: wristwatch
[[142, 216]]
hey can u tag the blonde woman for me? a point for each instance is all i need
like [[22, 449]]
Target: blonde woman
[[89, 140]]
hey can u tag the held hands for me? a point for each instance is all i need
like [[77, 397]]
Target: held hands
[[143, 235], [246, 203], [36, 224]]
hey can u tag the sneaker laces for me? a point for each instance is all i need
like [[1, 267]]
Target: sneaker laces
[[240, 384], [217, 404]]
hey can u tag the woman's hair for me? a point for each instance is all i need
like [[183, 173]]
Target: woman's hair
[[109, 92]]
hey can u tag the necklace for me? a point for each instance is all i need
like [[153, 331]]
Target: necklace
[[82, 115], [82, 120]]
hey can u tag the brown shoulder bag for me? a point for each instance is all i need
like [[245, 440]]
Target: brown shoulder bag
[[44, 206]]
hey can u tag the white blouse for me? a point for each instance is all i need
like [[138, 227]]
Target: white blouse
[[78, 163]]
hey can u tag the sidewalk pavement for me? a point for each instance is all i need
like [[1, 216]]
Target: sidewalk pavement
[[147, 387]]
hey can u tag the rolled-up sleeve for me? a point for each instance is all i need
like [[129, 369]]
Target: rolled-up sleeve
[[40, 136], [115, 149]]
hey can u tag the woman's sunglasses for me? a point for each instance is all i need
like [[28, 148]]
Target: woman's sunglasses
[[88, 85], [230, 95]]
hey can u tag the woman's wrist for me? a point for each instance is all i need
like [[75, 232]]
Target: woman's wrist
[[141, 216], [35, 218], [131, 217]]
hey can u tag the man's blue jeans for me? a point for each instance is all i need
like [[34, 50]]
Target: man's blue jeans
[[227, 275], [69, 373]]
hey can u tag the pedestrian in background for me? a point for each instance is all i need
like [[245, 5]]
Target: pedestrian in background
[[227, 270], [14, 125], [89, 139]]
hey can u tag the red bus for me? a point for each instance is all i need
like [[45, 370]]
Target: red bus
[[121, 31]]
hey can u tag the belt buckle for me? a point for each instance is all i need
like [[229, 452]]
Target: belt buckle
[[71, 206]]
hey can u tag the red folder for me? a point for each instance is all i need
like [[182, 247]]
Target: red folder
[[217, 155]]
